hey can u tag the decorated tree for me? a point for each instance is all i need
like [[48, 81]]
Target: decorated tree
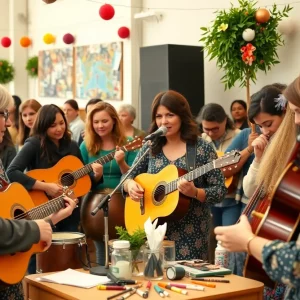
[[244, 40], [32, 66], [7, 71]]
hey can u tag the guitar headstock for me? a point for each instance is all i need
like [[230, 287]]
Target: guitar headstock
[[135, 144], [227, 159], [69, 193]]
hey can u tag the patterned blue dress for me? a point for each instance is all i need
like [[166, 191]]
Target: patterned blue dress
[[191, 232]]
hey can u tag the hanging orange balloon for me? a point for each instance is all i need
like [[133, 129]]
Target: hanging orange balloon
[[49, 38], [25, 41], [262, 15]]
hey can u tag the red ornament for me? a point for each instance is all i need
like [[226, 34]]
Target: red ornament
[[123, 32], [5, 42], [68, 38], [106, 12], [262, 15]]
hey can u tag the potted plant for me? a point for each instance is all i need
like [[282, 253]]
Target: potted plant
[[136, 240]]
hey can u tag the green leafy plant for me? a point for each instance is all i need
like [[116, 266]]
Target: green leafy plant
[[7, 71], [32, 66], [241, 59], [136, 240]]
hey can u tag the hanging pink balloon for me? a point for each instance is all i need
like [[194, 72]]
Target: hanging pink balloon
[[123, 32], [68, 38], [6, 42], [106, 12]]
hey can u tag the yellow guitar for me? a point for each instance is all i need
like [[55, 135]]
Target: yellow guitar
[[71, 172], [14, 266], [161, 197], [228, 181]]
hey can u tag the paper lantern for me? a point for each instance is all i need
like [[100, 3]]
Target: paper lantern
[[68, 38], [123, 32], [25, 41], [262, 15], [248, 35], [106, 12], [6, 42], [49, 38]]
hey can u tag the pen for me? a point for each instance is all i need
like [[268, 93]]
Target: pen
[[187, 286], [212, 285], [127, 295], [159, 291], [127, 281], [118, 294], [210, 276], [172, 288], [148, 287], [213, 280], [142, 294], [111, 287]]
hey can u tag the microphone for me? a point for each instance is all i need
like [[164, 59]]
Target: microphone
[[161, 131]]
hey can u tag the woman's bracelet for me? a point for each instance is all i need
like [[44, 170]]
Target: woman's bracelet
[[48, 220], [248, 243]]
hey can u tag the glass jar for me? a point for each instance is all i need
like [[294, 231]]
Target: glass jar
[[154, 264], [121, 260]]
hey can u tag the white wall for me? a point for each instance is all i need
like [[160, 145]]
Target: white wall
[[180, 24], [81, 18]]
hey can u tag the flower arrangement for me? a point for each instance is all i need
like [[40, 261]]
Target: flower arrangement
[[244, 40], [7, 71], [32, 66]]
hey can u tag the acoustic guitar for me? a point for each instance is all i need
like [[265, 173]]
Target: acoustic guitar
[[228, 181], [277, 215], [161, 196], [70, 172], [14, 266]]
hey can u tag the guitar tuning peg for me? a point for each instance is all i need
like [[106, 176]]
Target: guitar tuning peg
[[224, 169], [235, 166], [229, 169]]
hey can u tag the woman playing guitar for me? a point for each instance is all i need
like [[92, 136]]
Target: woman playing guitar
[[171, 109], [20, 235], [280, 259], [50, 141], [103, 135]]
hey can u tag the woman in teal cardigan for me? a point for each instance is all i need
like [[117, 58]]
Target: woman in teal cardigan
[[103, 137]]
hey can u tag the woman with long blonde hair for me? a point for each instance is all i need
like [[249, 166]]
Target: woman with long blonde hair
[[104, 135]]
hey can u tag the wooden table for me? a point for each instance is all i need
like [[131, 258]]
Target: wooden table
[[239, 288]]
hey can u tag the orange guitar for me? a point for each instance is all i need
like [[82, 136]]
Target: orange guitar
[[228, 181], [13, 267], [71, 172], [161, 197]]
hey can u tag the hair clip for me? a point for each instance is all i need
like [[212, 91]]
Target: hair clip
[[280, 102]]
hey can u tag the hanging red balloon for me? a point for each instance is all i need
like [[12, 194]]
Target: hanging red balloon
[[106, 12], [123, 32], [68, 38], [5, 42], [25, 41]]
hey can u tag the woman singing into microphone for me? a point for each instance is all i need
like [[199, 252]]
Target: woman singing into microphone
[[171, 109]]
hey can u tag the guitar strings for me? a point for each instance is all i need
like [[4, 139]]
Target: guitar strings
[[38, 208]]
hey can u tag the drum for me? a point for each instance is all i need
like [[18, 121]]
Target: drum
[[93, 226], [67, 250]]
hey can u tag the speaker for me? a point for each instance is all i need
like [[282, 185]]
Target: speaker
[[171, 67]]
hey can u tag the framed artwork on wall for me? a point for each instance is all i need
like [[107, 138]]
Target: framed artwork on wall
[[56, 73], [99, 71]]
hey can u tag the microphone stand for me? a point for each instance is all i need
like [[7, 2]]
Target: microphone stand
[[103, 270]]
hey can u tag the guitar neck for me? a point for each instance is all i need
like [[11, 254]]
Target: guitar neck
[[46, 209], [172, 186], [102, 161]]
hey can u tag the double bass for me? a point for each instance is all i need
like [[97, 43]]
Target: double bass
[[277, 215]]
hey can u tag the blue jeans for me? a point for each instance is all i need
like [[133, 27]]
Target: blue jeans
[[225, 216]]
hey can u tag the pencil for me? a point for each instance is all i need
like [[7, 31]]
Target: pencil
[[212, 280]]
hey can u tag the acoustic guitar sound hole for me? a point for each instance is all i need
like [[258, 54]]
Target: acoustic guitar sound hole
[[159, 193], [67, 179], [18, 213]]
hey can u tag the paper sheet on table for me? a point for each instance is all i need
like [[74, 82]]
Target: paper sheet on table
[[75, 278]]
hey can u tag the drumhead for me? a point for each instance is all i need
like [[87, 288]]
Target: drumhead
[[67, 237]]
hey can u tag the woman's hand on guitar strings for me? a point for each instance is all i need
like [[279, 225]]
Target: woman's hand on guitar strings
[[45, 232], [259, 145], [53, 189], [235, 238], [119, 155], [63, 213], [135, 190], [186, 188], [97, 170]]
